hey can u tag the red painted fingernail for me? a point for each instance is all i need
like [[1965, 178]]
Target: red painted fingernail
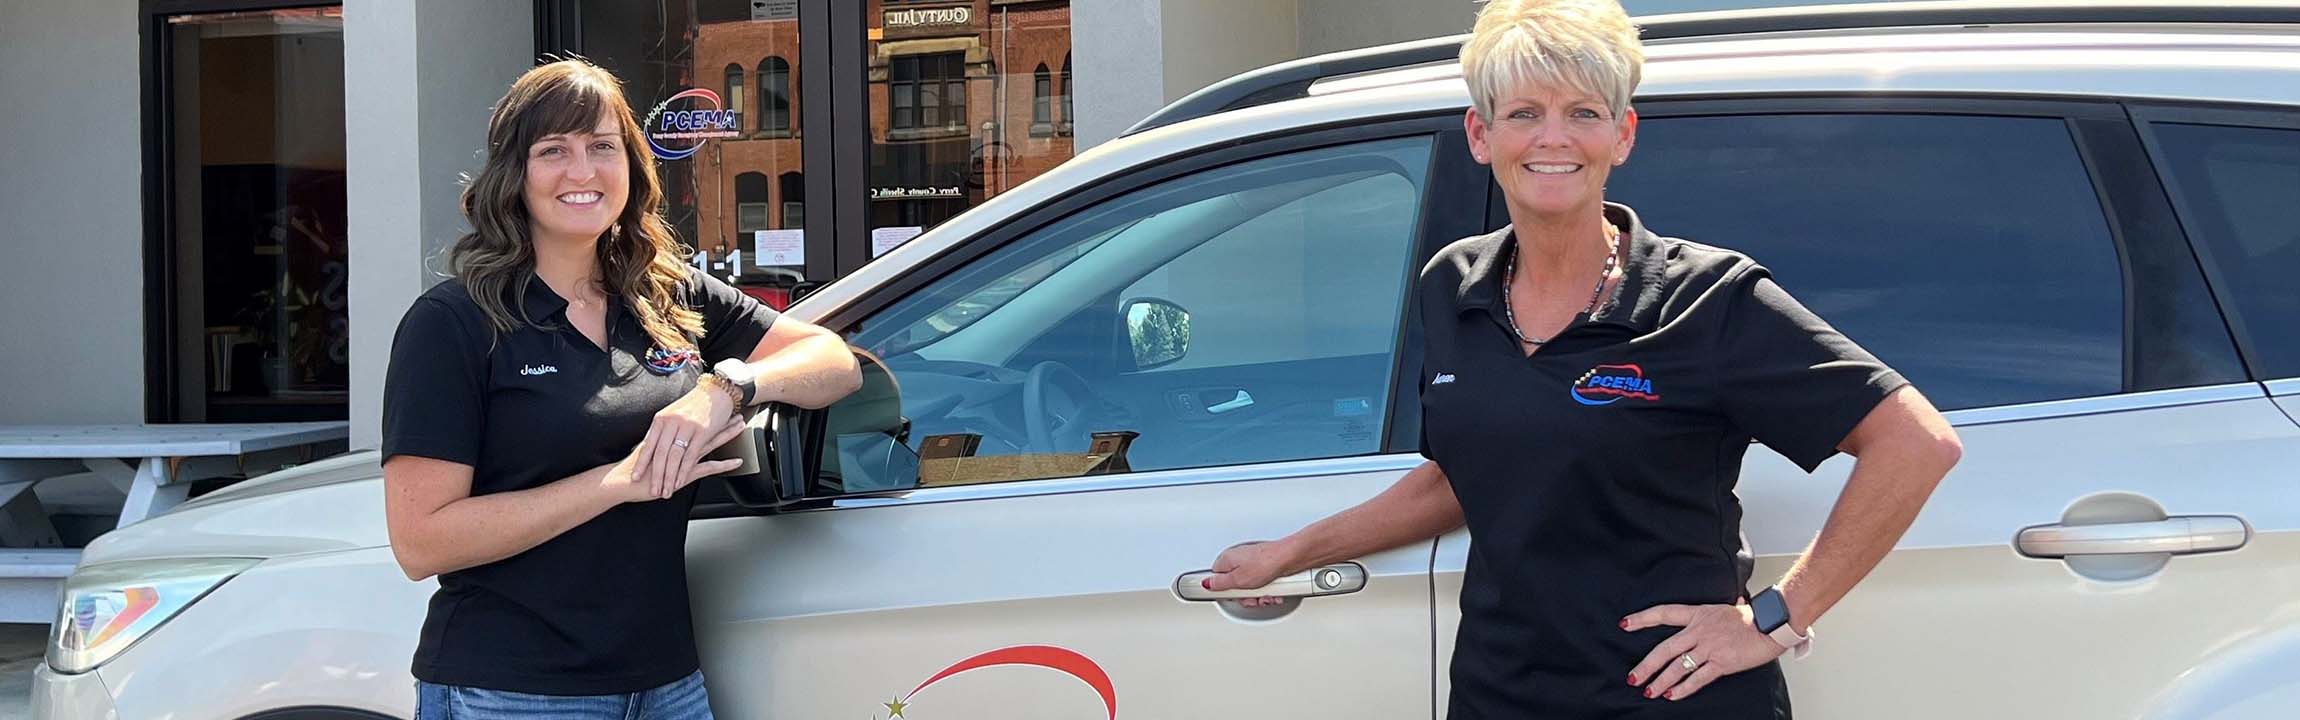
[[1207, 583], [1633, 679], [1649, 693], [1625, 623]]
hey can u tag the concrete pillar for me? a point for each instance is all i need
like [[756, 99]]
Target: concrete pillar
[[437, 68], [72, 245], [1120, 70]]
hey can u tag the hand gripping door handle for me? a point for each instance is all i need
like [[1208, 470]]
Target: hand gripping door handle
[[2178, 535], [1335, 579]]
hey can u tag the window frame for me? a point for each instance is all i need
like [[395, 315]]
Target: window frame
[[746, 202], [2145, 116], [2105, 144], [1063, 125], [1041, 102], [921, 69], [775, 83], [737, 76]]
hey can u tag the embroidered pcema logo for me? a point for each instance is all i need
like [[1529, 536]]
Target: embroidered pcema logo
[[538, 369], [665, 362], [1609, 384]]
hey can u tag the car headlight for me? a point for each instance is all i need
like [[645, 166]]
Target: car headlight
[[107, 608]]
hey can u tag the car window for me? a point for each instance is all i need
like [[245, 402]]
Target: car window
[[1315, 249], [2239, 195], [1244, 313], [1969, 252], [962, 313]]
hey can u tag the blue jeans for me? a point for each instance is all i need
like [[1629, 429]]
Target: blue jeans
[[683, 699]]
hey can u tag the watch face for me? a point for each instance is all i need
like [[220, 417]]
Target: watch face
[[1770, 612]]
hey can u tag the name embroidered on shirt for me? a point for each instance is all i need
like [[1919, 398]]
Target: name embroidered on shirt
[[1608, 384], [1442, 378], [538, 369]]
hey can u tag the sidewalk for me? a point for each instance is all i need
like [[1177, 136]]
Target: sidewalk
[[21, 647]]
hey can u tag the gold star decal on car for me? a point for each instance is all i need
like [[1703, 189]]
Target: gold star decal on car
[[894, 709]]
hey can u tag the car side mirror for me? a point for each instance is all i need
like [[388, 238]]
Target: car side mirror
[[783, 452], [760, 482], [805, 288], [1158, 330]]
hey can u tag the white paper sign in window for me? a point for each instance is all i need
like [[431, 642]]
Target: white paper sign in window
[[781, 248], [885, 238]]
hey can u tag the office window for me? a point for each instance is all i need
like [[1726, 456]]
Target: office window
[[1042, 102], [775, 96], [927, 91], [794, 201], [735, 86], [750, 205]]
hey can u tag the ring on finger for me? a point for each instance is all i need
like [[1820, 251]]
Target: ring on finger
[[681, 442], [1686, 661]]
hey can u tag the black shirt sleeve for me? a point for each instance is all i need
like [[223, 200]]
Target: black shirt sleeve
[[1788, 378], [435, 390], [732, 321]]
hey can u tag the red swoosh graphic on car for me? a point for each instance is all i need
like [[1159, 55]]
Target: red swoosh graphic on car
[[1045, 656]]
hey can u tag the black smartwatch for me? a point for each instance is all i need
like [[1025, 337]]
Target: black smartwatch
[[1770, 613]]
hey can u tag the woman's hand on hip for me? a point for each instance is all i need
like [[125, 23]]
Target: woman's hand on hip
[[1718, 639], [691, 427]]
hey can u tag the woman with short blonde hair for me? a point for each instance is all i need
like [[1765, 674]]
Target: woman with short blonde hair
[[1590, 389]]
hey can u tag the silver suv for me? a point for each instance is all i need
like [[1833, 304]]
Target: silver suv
[[2074, 227]]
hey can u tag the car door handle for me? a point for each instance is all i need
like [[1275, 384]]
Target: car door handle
[[2178, 535], [1335, 579], [1243, 400]]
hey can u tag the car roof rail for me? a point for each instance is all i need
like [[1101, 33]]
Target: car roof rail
[[1292, 79]]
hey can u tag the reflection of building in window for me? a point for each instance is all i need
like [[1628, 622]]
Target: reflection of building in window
[[775, 96], [751, 203], [734, 87], [733, 187], [794, 200], [927, 92], [1042, 103]]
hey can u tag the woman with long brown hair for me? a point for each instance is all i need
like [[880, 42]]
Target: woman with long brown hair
[[548, 408]]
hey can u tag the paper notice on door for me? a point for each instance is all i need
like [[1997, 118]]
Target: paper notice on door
[[885, 238], [780, 248]]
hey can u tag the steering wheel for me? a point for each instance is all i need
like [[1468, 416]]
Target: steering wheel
[[1054, 401]]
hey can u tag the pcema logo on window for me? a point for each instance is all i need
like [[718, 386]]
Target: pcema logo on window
[[680, 125]]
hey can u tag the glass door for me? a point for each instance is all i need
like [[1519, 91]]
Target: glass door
[[839, 129], [717, 85], [253, 322], [967, 99]]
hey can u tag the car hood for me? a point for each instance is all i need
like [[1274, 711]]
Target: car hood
[[327, 506]]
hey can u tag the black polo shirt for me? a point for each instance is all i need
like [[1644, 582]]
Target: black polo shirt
[[602, 608], [1597, 476]]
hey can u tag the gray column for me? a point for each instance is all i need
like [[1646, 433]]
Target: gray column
[[71, 196], [420, 80], [1120, 72]]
